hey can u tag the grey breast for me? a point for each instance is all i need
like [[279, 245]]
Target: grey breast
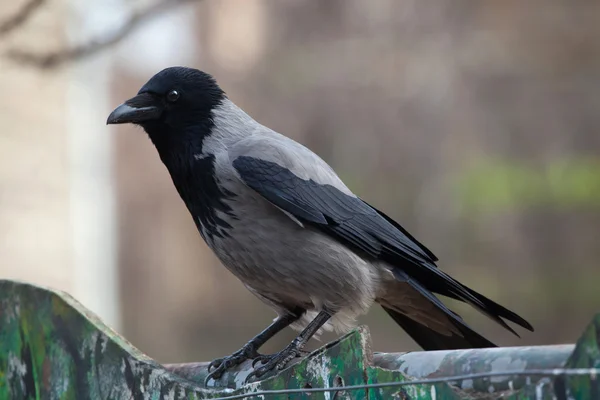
[[275, 254]]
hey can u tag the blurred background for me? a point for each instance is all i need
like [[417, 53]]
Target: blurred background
[[474, 124]]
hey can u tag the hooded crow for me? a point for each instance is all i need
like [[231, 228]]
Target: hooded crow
[[279, 218]]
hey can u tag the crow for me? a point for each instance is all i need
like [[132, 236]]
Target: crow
[[279, 218]]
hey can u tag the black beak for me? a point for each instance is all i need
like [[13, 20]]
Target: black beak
[[143, 107]]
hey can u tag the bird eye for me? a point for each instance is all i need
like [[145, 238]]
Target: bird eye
[[172, 96]]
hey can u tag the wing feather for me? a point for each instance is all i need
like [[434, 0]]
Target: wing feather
[[338, 213]]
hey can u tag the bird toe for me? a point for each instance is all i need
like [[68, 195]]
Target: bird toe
[[218, 366]]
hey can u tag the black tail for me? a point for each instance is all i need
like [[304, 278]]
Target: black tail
[[429, 339], [488, 307], [420, 270], [460, 337]]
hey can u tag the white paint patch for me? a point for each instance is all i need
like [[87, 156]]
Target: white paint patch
[[420, 367], [506, 364], [16, 370], [321, 370], [11, 309], [421, 393], [103, 343], [240, 377], [89, 343], [538, 390], [253, 388], [467, 384], [16, 366], [433, 393], [154, 374], [170, 395]]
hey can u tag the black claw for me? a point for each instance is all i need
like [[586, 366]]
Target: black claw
[[215, 363], [263, 358], [277, 361], [221, 365], [216, 374]]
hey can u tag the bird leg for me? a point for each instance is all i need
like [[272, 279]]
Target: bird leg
[[295, 349], [249, 350]]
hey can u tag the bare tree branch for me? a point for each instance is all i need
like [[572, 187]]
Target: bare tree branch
[[78, 52], [22, 15]]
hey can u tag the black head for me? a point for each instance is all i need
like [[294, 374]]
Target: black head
[[174, 100]]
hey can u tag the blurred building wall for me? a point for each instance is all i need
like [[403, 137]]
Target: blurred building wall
[[35, 242], [56, 200]]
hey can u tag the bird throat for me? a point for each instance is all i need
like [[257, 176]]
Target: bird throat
[[195, 179]]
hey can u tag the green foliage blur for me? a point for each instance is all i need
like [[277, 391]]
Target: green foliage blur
[[492, 186]]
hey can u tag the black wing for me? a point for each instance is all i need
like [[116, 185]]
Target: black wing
[[358, 225]]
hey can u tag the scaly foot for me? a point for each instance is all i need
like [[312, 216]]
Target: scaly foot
[[276, 361], [220, 365]]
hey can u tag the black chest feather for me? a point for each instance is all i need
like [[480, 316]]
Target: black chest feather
[[193, 173], [199, 188]]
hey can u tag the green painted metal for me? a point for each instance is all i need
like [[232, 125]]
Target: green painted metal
[[51, 347]]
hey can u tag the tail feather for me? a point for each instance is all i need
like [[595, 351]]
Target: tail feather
[[486, 306], [414, 262], [501, 311], [429, 339], [451, 331]]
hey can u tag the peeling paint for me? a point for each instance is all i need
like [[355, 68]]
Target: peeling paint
[[538, 391], [416, 366], [506, 364], [467, 384]]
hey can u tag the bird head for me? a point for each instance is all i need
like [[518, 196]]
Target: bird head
[[174, 100]]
